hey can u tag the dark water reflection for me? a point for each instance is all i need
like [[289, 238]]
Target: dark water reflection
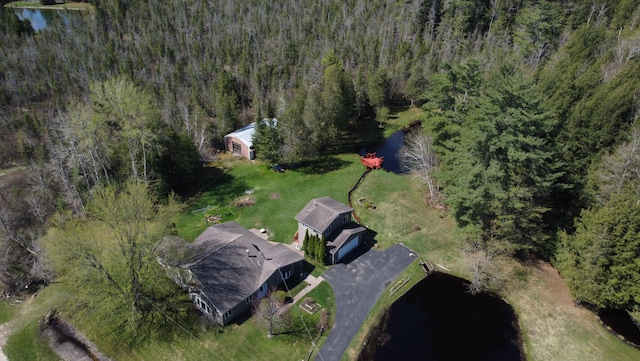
[[390, 149], [621, 323], [439, 320]]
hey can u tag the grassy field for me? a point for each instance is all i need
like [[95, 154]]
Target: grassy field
[[274, 198], [6, 311], [37, 5], [401, 117], [26, 344], [21, 323]]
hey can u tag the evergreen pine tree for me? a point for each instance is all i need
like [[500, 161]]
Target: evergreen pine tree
[[319, 249], [305, 241], [324, 254]]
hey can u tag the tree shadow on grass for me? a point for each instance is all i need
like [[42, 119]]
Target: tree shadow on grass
[[321, 165], [207, 176], [219, 188]]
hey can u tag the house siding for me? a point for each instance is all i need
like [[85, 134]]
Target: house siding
[[245, 151], [334, 256]]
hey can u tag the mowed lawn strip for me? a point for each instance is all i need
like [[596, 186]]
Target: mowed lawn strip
[[37, 5], [24, 342], [7, 311]]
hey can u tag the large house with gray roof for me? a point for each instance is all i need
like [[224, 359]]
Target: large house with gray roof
[[228, 266], [328, 218]]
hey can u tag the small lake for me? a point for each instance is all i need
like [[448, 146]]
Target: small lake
[[41, 18], [439, 320]]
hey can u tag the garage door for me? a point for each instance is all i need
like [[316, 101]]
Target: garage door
[[348, 247]]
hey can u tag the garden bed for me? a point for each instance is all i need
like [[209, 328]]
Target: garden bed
[[367, 204], [310, 306]]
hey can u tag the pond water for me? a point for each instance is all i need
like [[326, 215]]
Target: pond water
[[439, 320], [621, 323], [390, 148], [41, 18]]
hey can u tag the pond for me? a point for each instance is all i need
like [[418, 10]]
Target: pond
[[439, 320], [390, 148], [620, 323], [41, 18]]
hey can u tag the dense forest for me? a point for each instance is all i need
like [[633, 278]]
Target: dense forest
[[531, 108]]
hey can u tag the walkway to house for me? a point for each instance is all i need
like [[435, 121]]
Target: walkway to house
[[357, 287], [312, 282]]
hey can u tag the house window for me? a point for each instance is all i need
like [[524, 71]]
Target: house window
[[248, 299], [262, 288], [202, 305], [346, 218], [236, 148], [286, 275], [227, 314]]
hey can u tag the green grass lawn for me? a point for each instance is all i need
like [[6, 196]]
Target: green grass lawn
[[24, 342], [277, 197], [402, 215], [6, 311], [401, 117], [36, 4]]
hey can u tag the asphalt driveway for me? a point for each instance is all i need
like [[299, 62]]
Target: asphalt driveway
[[357, 286]]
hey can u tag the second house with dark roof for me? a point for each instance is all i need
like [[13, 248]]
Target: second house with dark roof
[[328, 218], [228, 267]]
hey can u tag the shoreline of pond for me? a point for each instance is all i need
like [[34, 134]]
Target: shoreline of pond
[[406, 328], [37, 6]]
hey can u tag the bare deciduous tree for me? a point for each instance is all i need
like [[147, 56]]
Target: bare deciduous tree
[[23, 212], [268, 311], [419, 158], [621, 168], [485, 257]]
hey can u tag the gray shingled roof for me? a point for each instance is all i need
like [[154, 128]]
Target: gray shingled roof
[[320, 212], [227, 273], [344, 235]]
